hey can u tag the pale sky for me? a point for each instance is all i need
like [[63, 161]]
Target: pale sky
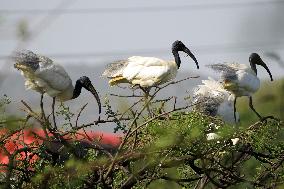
[[97, 32]]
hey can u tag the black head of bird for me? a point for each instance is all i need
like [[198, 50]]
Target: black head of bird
[[254, 60], [85, 82], [179, 46]]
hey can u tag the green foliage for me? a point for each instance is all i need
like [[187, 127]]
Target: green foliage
[[169, 149], [119, 125], [4, 101], [185, 134], [7, 121], [64, 112]]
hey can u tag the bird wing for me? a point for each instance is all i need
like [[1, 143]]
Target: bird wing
[[247, 81], [115, 69], [209, 96], [212, 84], [228, 71], [216, 103], [145, 68], [54, 75], [26, 60], [202, 91], [145, 61]]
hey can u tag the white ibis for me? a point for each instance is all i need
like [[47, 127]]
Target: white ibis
[[147, 71], [241, 79], [212, 99], [45, 76]]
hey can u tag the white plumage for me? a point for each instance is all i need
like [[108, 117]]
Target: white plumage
[[241, 79], [45, 76], [238, 78], [50, 78], [146, 71], [212, 99]]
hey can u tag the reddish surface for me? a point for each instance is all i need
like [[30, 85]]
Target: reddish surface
[[29, 138]]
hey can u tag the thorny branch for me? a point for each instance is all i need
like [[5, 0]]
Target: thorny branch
[[220, 166]]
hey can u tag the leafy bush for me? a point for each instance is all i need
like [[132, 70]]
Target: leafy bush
[[160, 148]]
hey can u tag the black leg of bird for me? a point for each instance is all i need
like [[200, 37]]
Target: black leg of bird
[[53, 112], [251, 107], [235, 102], [41, 107]]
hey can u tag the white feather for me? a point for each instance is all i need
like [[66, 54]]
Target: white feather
[[149, 71], [238, 66], [212, 95], [143, 71], [247, 82], [50, 78], [55, 77], [241, 76]]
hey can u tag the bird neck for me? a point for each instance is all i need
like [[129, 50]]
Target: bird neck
[[253, 67], [77, 89], [177, 58]]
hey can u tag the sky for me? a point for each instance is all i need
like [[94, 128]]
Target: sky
[[97, 32]]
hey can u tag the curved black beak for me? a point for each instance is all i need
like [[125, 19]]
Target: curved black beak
[[85, 82], [189, 53], [261, 63], [92, 89]]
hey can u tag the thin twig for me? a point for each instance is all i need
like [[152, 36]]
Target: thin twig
[[131, 107], [31, 112], [160, 115], [125, 139], [126, 96], [175, 82], [102, 121], [79, 114]]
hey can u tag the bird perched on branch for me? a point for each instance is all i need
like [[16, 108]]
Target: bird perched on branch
[[147, 71], [241, 79], [45, 76], [212, 99]]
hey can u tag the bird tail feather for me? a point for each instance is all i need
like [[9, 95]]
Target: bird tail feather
[[117, 80], [218, 67], [115, 69], [26, 60]]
